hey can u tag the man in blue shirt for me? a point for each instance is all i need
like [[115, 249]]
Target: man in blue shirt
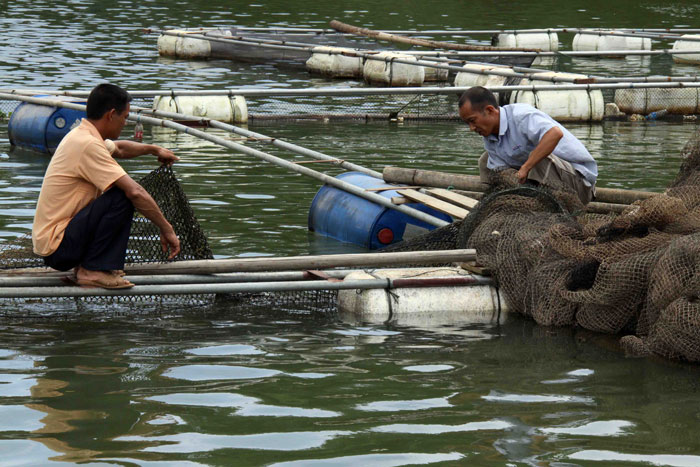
[[521, 137]]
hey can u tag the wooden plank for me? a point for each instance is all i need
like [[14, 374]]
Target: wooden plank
[[474, 267], [387, 188], [447, 208], [399, 200], [452, 197]]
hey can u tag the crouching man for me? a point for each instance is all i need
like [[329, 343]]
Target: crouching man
[[521, 137], [83, 216]]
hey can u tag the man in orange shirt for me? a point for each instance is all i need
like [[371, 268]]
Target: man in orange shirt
[[83, 216]]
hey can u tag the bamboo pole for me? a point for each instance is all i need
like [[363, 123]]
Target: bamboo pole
[[52, 278], [377, 199], [19, 94], [473, 183], [277, 264], [257, 287], [260, 137], [288, 45], [596, 32], [303, 262], [347, 28], [459, 32]]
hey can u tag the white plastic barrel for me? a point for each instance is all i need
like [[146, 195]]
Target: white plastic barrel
[[328, 61], [473, 76], [230, 109], [563, 106], [392, 73], [591, 42], [422, 305], [680, 44], [436, 74], [183, 47], [522, 40], [643, 101]]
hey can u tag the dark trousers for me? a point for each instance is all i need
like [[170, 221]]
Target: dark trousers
[[96, 237]]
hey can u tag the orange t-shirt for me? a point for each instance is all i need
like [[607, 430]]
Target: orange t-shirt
[[80, 170]]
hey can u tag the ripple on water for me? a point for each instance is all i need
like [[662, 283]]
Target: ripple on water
[[247, 406], [398, 406], [673, 460], [16, 385], [224, 372], [20, 418], [29, 452], [495, 396], [366, 332], [218, 372], [187, 443], [377, 460], [234, 349], [419, 429], [601, 428], [428, 368]]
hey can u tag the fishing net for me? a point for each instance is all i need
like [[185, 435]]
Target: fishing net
[[144, 247], [636, 273], [144, 239]]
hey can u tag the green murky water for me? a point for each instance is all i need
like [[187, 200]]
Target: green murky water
[[183, 385]]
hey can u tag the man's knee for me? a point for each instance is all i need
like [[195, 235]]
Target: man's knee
[[117, 200]]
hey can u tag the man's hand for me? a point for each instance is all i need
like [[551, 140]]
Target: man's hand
[[165, 156], [169, 241], [522, 174]]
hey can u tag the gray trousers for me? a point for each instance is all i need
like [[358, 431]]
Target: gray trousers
[[553, 172]]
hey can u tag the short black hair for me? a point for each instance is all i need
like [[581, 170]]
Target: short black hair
[[479, 97], [105, 97]]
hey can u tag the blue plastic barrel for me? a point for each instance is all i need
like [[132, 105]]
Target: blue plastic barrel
[[42, 127], [349, 218]]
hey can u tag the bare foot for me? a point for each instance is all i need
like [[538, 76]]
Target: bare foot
[[104, 279]]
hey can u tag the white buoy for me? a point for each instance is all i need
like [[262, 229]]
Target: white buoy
[[601, 42], [548, 41], [563, 106], [329, 61], [682, 101], [391, 73], [435, 74], [680, 44], [229, 109], [472, 76], [183, 47], [443, 304]]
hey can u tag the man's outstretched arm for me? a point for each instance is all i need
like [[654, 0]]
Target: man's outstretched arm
[[130, 149], [543, 149], [147, 206]]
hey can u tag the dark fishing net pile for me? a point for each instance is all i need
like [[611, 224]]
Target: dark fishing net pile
[[635, 274]]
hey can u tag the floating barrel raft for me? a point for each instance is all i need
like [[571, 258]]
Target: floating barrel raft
[[609, 41], [330, 62], [392, 73], [547, 41], [682, 101], [446, 302], [40, 127], [349, 218], [228, 109], [680, 44], [564, 106]]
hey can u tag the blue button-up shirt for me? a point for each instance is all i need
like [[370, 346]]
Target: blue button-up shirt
[[521, 129]]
